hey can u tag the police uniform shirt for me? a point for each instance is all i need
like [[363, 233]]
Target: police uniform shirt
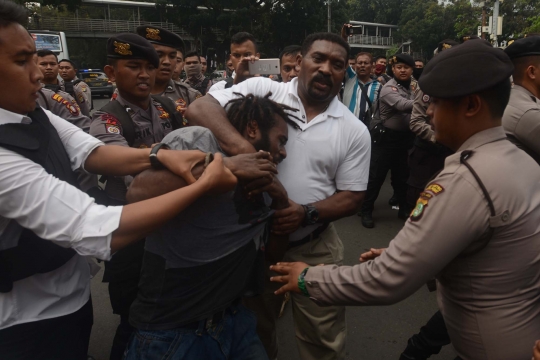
[[150, 127], [521, 121], [52, 209], [83, 95], [490, 300], [396, 103], [63, 105], [419, 124], [182, 95]]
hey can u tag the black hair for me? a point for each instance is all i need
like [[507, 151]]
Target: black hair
[[422, 61], [497, 97], [308, 42], [191, 54], [380, 57], [46, 52], [291, 50], [243, 110], [242, 37], [69, 61], [12, 13], [364, 54], [521, 64]]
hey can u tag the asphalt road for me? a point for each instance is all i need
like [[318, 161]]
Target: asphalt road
[[374, 333]]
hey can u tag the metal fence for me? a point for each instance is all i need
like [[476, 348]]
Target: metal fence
[[371, 40]]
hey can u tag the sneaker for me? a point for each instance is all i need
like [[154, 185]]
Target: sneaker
[[393, 200], [367, 221]]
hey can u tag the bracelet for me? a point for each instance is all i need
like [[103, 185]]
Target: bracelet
[[302, 283], [208, 159]]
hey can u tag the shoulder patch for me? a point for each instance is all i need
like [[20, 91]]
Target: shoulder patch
[[436, 189], [419, 209], [73, 108], [112, 129], [394, 88], [110, 120], [426, 98]]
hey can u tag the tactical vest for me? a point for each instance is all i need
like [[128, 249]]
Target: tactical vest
[[201, 87], [40, 143]]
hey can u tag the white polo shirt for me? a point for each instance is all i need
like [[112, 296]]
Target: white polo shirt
[[330, 153]]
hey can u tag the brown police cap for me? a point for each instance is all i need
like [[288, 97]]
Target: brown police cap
[[159, 36], [529, 46], [131, 46], [466, 69]]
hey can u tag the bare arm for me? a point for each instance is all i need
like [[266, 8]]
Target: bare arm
[[207, 112]]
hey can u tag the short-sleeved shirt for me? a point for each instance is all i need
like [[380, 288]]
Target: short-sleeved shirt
[[330, 153], [150, 127], [83, 95], [63, 105], [396, 103], [521, 121]]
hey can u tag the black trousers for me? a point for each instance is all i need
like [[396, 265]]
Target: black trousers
[[61, 338], [390, 154]]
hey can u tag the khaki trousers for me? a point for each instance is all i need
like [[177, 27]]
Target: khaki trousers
[[320, 331]]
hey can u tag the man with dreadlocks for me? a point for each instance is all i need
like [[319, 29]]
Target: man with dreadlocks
[[196, 268]]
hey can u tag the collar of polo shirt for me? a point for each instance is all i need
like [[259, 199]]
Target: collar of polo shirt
[[333, 109]]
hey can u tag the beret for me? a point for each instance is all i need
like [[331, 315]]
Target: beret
[[446, 44], [131, 46], [402, 58], [524, 47], [468, 37], [159, 36], [466, 69]]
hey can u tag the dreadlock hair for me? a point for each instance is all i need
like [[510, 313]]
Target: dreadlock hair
[[243, 110]]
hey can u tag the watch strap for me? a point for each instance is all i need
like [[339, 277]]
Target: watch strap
[[156, 164]]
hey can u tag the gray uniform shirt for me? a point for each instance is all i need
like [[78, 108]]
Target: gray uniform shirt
[[396, 104], [490, 300], [83, 95], [64, 105], [150, 126], [419, 123], [521, 121]]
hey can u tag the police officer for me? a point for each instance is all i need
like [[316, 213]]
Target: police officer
[[168, 45], [48, 64], [75, 86], [137, 120], [475, 227], [63, 105], [521, 120], [427, 156], [390, 153]]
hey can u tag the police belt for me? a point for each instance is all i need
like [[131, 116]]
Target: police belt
[[213, 319], [315, 234]]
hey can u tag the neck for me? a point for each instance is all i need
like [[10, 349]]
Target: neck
[[142, 103], [194, 77], [313, 107], [50, 82], [531, 88], [159, 87], [364, 79]]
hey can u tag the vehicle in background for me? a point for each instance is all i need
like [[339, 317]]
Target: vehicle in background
[[98, 82], [51, 40]]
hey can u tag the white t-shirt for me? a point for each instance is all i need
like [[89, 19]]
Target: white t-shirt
[[220, 85], [330, 153]]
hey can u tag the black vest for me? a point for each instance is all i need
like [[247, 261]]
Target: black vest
[[40, 143]]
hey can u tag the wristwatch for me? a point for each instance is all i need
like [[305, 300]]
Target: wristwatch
[[312, 215], [156, 164]]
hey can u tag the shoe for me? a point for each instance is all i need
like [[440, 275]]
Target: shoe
[[393, 200], [367, 221], [403, 215]]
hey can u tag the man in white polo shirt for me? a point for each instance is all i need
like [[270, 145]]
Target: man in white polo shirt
[[325, 175]]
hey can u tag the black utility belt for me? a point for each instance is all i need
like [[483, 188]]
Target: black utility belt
[[211, 320], [315, 234]]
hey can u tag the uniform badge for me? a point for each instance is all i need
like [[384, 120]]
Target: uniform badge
[[109, 119], [83, 88], [436, 189], [122, 48], [81, 98], [426, 98], [112, 129], [73, 108], [394, 88], [418, 211], [152, 34], [447, 46]]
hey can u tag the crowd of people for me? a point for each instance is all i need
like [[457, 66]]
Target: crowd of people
[[212, 203]]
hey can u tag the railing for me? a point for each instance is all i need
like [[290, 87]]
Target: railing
[[371, 40], [100, 25]]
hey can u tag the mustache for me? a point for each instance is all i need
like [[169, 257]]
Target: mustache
[[320, 78]]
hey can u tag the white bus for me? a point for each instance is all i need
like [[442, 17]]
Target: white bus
[[51, 40]]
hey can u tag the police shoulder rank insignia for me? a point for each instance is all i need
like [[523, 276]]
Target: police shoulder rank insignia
[[426, 98], [122, 48], [152, 34], [73, 108], [436, 189]]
